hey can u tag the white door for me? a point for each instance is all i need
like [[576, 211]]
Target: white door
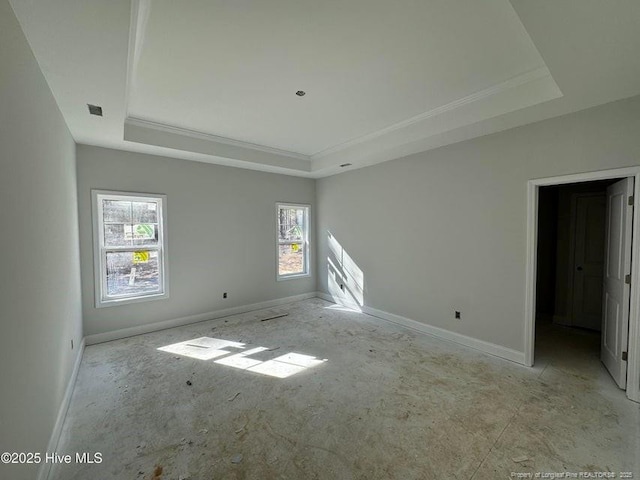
[[615, 304], [588, 264]]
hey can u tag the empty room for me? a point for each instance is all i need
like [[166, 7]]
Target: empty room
[[319, 240]]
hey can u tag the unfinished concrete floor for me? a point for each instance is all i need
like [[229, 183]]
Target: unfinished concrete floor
[[386, 403]]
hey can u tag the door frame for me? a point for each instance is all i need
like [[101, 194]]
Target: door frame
[[533, 188]]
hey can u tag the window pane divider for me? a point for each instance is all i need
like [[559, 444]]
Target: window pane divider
[[136, 248]]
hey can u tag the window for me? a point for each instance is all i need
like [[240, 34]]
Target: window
[[293, 241], [129, 247]]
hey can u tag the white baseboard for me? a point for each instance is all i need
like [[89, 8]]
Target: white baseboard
[[342, 301], [481, 345], [325, 296], [45, 467], [200, 317]]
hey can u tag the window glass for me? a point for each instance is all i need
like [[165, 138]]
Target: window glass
[[132, 273], [292, 240]]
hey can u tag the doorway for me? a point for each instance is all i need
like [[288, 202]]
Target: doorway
[[570, 256], [570, 271], [579, 299]]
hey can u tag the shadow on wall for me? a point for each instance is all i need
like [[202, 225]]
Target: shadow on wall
[[345, 279]]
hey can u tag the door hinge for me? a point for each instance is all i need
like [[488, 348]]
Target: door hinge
[[624, 356], [627, 279], [631, 200]]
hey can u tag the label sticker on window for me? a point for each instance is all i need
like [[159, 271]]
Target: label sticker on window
[[140, 257], [295, 247], [143, 230], [139, 231]]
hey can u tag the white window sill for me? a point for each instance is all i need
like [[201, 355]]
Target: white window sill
[[128, 300], [293, 276]]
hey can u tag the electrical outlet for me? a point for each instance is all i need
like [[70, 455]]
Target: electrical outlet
[[458, 315], [342, 286], [224, 295]]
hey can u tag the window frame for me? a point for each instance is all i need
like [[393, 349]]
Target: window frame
[[100, 249], [305, 241]]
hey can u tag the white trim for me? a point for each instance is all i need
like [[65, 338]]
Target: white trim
[[514, 82], [292, 276], [163, 127], [305, 241], [135, 32], [326, 296], [140, 10], [531, 269], [458, 338], [99, 266], [533, 186], [52, 446], [200, 317]]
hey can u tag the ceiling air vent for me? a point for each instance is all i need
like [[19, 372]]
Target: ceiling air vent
[[95, 109]]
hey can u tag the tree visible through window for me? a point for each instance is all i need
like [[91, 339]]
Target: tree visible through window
[[293, 251], [129, 248]]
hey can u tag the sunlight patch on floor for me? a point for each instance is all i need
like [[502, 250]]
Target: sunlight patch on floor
[[207, 348]]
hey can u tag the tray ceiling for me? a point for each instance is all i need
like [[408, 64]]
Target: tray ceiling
[[216, 81]]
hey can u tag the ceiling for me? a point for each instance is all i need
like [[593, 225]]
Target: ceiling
[[216, 81]]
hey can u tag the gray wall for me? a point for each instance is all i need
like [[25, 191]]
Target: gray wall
[[40, 308], [445, 230], [221, 234]]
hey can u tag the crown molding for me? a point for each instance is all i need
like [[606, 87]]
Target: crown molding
[[514, 82], [162, 127], [140, 11], [223, 147]]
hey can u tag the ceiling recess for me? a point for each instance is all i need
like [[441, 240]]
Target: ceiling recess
[[371, 100]]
